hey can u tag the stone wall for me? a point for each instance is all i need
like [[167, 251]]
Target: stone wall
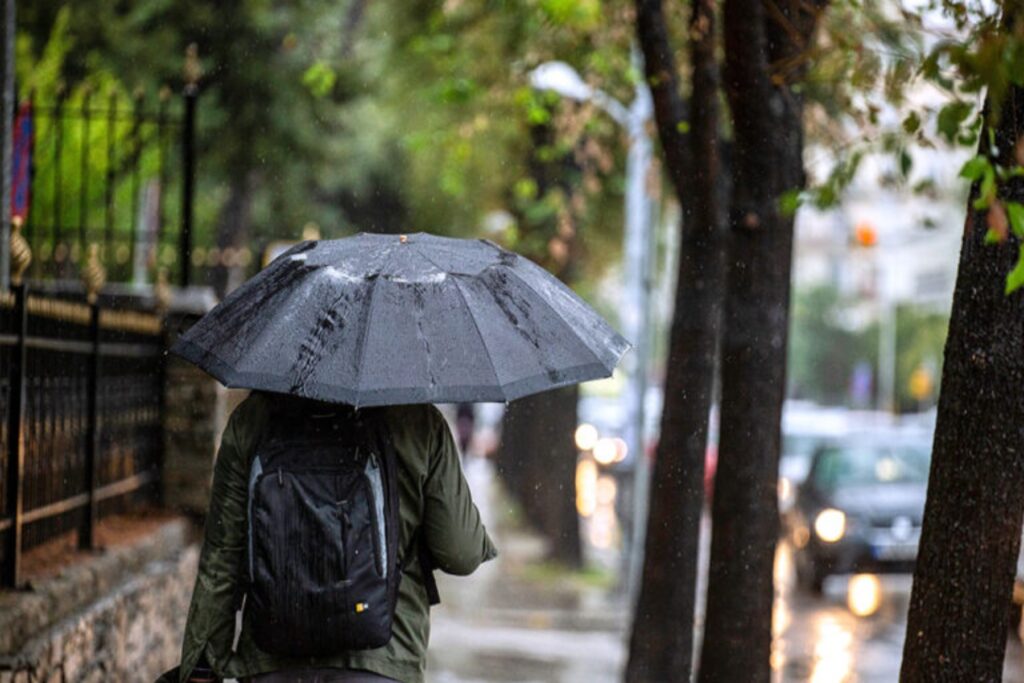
[[120, 614], [116, 617], [195, 412]]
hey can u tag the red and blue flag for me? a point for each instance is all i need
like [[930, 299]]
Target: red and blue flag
[[21, 161]]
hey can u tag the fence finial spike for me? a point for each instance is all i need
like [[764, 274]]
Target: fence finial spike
[[193, 67], [311, 231], [94, 275], [21, 252], [162, 291]]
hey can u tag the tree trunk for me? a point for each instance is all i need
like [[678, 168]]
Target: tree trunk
[[768, 143], [538, 461], [957, 627], [661, 646]]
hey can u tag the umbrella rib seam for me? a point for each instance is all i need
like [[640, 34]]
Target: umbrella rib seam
[[432, 262], [558, 317], [365, 335], [483, 341]]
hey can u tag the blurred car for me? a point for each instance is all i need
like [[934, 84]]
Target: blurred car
[[860, 508], [805, 426]]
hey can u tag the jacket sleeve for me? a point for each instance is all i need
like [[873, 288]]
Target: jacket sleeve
[[210, 627], [456, 537]]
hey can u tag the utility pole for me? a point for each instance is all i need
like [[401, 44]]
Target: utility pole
[[636, 319], [561, 78], [887, 348]]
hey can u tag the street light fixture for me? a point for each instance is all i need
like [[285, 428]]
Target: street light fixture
[[561, 78], [558, 77]]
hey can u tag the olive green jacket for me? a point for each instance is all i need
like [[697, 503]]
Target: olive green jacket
[[433, 495]]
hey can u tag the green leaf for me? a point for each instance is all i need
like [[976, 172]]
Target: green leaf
[[951, 116], [1015, 211], [987, 191], [930, 66], [825, 197], [974, 168], [925, 186], [683, 127], [1015, 278], [912, 123], [526, 188], [992, 237], [581, 14], [790, 201], [968, 138], [906, 162], [319, 78], [456, 90]]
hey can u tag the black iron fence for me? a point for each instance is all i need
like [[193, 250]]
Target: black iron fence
[[81, 386], [112, 170], [102, 189]]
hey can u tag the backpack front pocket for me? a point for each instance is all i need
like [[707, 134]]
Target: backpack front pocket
[[303, 559]]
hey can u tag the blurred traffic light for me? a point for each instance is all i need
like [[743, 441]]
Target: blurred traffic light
[[865, 235]]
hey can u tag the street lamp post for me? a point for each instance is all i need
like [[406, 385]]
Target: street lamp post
[[562, 79]]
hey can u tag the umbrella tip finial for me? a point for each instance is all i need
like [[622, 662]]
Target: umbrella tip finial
[[403, 238]]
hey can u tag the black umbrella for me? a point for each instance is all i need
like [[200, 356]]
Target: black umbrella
[[381, 319]]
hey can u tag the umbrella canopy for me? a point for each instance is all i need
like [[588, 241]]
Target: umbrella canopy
[[382, 319]]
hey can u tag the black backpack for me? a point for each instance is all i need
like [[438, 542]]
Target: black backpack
[[323, 556]]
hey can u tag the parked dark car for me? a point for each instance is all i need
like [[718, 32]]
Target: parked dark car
[[860, 508]]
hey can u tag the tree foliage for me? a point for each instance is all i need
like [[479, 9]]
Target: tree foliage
[[886, 78], [394, 116], [824, 350]]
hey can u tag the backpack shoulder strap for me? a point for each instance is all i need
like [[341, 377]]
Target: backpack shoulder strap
[[427, 568], [417, 546]]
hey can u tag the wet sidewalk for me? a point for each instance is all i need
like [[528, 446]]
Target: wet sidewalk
[[516, 619]]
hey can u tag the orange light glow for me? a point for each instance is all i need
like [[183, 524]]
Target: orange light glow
[[865, 235]]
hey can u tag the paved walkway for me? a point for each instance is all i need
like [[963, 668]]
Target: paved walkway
[[509, 622]]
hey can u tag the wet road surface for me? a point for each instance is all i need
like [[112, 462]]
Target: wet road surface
[[498, 626], [818, 639]]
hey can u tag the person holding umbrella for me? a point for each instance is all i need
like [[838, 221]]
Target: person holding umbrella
[[337, 488]]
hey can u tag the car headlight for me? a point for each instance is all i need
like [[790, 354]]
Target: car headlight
[[864, 594], [785, 490], [830, 525]]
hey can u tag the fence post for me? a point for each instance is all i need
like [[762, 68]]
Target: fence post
[[21, 257], [14, 494], [188, 159], [162, 297], [94, 276]]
